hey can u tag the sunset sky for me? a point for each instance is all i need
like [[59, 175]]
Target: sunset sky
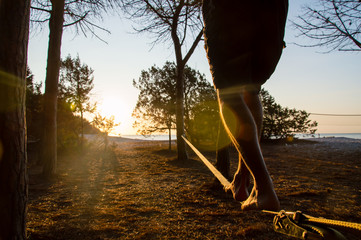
[[304, 79]]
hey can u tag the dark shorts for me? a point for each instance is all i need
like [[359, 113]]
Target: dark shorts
[[243, 39]]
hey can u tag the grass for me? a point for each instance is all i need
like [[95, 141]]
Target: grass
[[138, 190]]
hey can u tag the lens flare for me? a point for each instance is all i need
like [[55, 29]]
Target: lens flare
[[206, 128], [10, 83], [232, 124]]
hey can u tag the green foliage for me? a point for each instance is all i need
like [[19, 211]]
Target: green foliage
[[75, 84], [69, 125], [68, 128], [155, 109], [34, 106], [281, 122]]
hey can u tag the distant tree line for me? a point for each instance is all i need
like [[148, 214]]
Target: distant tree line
[[281, 122]]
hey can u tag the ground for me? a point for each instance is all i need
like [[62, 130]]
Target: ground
[[138, 190]]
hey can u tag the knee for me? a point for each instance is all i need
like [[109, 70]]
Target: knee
[[252, 99], [247, 132]]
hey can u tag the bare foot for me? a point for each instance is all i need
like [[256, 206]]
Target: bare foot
[[239, 186], [261, 201], [239, 193]]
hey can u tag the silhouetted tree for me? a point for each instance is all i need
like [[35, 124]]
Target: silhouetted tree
[[179, 21], [281, 122], [334, 24], [49, 144], [78, 14], [34, 101], [155, 109], [105, 125], [14, 32], [156, 105], [76, 83]]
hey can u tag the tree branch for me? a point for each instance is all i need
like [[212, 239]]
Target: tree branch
[[193, 47], [40, 9]]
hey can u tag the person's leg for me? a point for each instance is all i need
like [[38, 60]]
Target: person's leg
[[246, 140], [255, 106], [241, 181]]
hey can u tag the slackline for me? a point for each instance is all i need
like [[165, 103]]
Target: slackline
[[210, 166]]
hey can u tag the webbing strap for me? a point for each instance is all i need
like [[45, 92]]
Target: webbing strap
[[315, 223], [210, 166], [334, 223]]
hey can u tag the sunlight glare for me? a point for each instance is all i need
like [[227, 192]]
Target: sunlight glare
[[115, 106]]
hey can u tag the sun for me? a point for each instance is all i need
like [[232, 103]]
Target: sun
[[122, 112]]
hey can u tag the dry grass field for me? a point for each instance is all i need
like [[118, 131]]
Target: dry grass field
[[138, 190]]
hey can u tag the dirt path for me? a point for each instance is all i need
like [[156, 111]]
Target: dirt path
[[140, 191]]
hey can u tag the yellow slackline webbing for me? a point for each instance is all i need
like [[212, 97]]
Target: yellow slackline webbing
[[327, 222], [210, 166], [334, 223]]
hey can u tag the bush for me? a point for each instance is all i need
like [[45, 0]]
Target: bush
[[281, 122]]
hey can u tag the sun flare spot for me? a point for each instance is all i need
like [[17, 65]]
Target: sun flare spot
[[117, 107]]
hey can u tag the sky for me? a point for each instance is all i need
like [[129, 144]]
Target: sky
[[305, 79]]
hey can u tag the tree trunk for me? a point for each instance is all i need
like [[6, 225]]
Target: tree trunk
[[49, 146], [14, 31], [170, 138], [181, 62], [181, 148], [106, 141], [82, 130]]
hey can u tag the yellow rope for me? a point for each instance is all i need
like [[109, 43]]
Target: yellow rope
[[335, 223]]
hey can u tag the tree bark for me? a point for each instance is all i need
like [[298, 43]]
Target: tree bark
[[181, 148], [49, 141], [14, 33], [82, 131], [170, 138]]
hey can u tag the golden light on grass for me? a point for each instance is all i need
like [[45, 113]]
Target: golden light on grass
[[142, 192]]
